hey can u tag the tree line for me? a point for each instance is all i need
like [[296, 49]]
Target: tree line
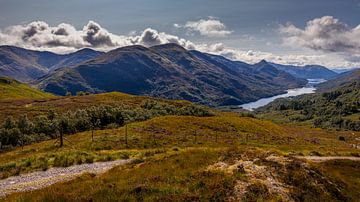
[[52, 125]]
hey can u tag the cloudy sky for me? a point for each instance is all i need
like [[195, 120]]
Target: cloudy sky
[[323, 32]]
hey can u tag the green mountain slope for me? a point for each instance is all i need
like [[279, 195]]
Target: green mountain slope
[[342, 79], [12, 89]]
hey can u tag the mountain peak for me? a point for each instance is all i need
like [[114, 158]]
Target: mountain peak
[[86, 50], [130, 48], [169, 46], [263, 62]]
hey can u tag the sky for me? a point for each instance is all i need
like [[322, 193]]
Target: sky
[[325, 32]]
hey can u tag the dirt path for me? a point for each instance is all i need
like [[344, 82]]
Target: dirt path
[[327, 158], [41, 179]]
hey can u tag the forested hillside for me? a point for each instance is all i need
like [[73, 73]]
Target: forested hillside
[[338, 108]]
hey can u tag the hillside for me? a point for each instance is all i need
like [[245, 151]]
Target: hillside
[[344, 78], [62, 104], [170, 71], [25, 65], [12, 89], [194, 158], [307, 71], [337, 108], [275, 75]]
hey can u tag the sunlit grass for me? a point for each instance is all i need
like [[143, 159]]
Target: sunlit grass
[[11, 89], [167, 132]]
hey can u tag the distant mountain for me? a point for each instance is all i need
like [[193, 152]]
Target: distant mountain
[[73, 59], [274, 74], [344, 78], [12, 89], [171, 71], [307, 72], [343, 70], [25, 65]]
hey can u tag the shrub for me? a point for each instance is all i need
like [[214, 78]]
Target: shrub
[[89, 159], [256, 192], [80, 93]]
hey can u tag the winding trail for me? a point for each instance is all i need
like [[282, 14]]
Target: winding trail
[[328, 158], [41, 179]]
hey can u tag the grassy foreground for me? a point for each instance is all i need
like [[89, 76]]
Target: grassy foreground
[[184, 131], [191, 175], [174, 156]]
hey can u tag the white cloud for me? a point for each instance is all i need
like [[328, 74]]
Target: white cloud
[[151, 37], [251, 56], [177, 25], [210, 27], [326, 34], [38, 35]]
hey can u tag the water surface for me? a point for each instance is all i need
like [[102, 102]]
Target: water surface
[[309, 88]]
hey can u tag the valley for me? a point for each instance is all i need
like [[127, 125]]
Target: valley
[[57, 147], [167, 71], [172, 101], [218, 150]]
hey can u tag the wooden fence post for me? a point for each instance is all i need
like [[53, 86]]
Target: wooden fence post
[[126, 136], [195, 136]]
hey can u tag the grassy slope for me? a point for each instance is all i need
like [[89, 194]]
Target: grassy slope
[[183, 131], [183, 175], [175, 175], [11, 89], [340, 80], [63, 104], [347, 171]]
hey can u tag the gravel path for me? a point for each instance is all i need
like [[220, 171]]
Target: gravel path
[[41, 179], [327, 158]]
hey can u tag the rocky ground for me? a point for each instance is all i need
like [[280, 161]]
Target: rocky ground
[[268, 177]]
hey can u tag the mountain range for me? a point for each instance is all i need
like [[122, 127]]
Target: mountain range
[[170, 71], [26, 65], [307, 71], [167, 71]]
